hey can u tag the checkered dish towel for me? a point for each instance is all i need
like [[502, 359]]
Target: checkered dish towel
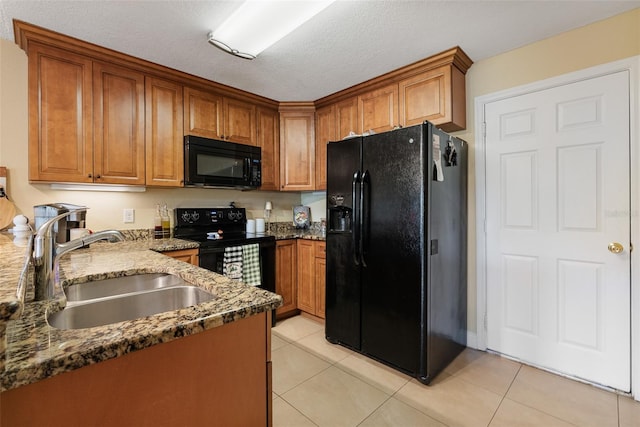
[[232, 262], [251, 264]]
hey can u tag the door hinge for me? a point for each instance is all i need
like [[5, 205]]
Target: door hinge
[[484, 130], [630, 247]]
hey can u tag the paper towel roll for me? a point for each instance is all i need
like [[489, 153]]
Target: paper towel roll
[[251, 226], [259, 225]]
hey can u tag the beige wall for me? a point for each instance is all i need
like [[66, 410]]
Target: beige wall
[[602, 42], [599, 43]]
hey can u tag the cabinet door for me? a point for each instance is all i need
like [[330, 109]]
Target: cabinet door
[[297, 151], [60, 116], [286, 275], [164, 136], [325, 132], [240, 121], [118, 96], [269, 142], [378, 109], [347, 118], [306, 270], [437, 95], [203, 114], [189, 256]]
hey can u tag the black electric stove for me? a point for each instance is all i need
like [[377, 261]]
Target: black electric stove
[[218, 228]]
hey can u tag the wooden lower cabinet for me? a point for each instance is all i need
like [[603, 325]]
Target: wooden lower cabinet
[[187, 255], [286, 277], [221, 377], [311, 277]]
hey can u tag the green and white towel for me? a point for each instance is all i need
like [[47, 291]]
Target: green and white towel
[[251, 264], [232, 262]]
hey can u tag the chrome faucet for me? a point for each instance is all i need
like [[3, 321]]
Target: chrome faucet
[[46, 252]]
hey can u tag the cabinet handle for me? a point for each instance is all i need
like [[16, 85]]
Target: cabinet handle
[[90, 176], [98, 177]]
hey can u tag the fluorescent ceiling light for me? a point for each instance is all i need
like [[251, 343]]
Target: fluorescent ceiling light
[[258, 24], [99, 187]]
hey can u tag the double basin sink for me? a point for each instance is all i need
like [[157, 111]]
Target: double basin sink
[[103, 302]]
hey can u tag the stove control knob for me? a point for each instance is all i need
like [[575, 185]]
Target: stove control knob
[[231, 215], [239, 215], [195, 215], [186, 217]]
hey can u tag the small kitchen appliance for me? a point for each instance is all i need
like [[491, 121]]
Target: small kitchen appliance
[[43, 213], [221, 164]]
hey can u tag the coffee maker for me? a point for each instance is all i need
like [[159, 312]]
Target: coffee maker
[[62, 228]]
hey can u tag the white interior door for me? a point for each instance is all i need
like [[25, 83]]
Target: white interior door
[[557, 194]]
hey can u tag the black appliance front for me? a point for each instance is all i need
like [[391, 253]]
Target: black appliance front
[[212, 257], [393, 291], [342, 302], [214, 163], [396, 280]]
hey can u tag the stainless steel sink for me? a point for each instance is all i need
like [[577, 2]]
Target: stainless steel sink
[[121, 285], [109, 301]]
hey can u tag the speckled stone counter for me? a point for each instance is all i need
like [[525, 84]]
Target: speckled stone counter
[[283, 231], [35, 351]]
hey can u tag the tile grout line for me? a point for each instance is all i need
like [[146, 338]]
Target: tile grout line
[[504, 396]]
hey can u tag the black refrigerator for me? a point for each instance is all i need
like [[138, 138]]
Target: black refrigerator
[[396, 285]]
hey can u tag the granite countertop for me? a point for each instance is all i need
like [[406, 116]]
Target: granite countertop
[[298, 234], [35, 351]]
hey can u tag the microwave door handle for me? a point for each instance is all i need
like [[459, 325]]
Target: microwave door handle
[[247, 168]]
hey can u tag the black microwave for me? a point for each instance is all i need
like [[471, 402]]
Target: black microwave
[[221, 164]]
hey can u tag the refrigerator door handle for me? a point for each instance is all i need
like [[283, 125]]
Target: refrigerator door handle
[[361, 221], [354, 229]]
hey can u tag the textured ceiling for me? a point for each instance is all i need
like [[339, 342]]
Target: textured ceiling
[[349, 42]]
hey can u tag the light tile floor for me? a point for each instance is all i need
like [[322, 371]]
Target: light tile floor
[[319, 384]]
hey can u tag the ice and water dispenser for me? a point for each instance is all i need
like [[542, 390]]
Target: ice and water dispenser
[[340, 216]]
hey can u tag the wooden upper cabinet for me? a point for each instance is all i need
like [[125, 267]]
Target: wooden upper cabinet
[[203, 114], [378, 109], [347, 118], [436, 95], [211, 115], [325, 132], [269, 142], [87, 120], [164, 133], [60, 116], [118, 95], [239, 121], [297, 149]]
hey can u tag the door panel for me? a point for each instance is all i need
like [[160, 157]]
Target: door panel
[[391, 304], [557, 194]]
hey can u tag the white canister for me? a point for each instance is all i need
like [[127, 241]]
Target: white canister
[[259, 225], [251, 226]]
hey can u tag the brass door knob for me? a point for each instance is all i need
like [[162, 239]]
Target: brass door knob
[[615, 247]]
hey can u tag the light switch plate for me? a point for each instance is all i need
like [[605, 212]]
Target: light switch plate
[[128, 216]]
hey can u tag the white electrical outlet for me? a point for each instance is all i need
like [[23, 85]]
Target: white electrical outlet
[[128, 215]]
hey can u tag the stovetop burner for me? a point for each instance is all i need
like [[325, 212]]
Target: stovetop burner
[[227, 224]]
